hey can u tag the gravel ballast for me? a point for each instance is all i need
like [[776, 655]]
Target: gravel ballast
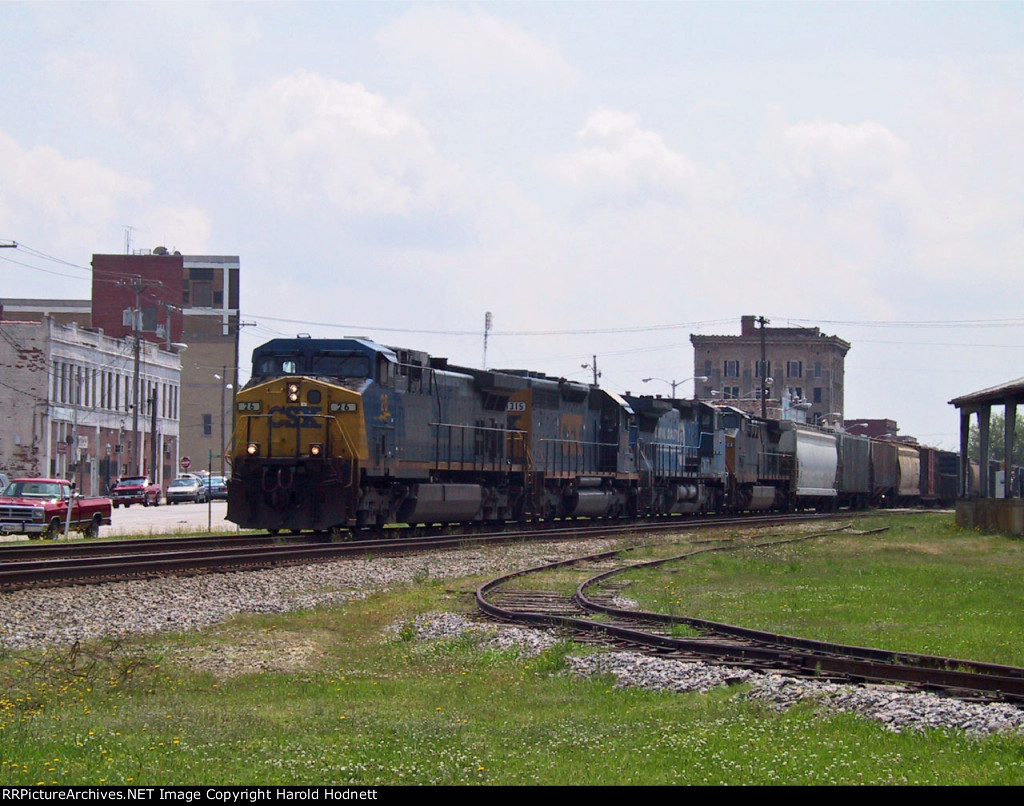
[[61, 616]]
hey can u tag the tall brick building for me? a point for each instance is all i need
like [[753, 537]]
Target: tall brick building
[[184, 299], [805, 369]]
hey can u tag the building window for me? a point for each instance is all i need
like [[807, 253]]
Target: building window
[[202, 294], [707, 368], [817, 394], [731, 392], [757, 369], [207, 425], [795, 392], [817, 369], [731, 369], [794, 369]]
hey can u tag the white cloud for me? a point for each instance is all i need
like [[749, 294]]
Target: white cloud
[[40, 180], [476, 49], [73, 206], [842, 157], [308, 138], [618, 158]]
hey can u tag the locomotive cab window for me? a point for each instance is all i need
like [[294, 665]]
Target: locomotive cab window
[[341, 365], [271, 365]]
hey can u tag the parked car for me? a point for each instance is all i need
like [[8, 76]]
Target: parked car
[[4, 481], [216, 488], [188, 489], [39, 508], [136, 490]]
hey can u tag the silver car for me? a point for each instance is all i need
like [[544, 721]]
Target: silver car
[[188, 489]]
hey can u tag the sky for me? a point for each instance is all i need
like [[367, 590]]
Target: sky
[[604, 178]]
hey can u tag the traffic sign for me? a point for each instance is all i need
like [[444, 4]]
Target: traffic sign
[[186, 463]]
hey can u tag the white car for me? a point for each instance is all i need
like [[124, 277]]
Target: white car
[[188, 489]]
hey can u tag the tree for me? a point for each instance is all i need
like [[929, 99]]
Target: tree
[[996, 433]]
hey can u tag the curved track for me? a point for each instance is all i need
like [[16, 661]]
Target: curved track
[[591, 611]]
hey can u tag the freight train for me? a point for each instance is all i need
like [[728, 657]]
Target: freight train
[[346, 434]]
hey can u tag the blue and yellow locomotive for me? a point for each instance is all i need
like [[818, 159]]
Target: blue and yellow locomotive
[[346, 433]]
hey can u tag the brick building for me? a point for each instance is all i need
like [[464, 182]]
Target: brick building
[[184, 299], [805, 369]]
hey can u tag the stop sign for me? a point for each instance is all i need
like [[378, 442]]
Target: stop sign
[[186, 463]]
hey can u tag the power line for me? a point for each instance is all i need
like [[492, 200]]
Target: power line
[[948, 323], [476, 333]]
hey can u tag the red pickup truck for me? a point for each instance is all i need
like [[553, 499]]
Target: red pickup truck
[[39, 508], [136, 490]]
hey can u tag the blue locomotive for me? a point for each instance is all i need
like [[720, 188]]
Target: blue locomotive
[[337, 434]]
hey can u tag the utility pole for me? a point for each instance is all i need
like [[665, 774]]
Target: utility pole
[[168, 307], [488, 321], [593, 367], [153, 454], [138, 285], [764, 369]]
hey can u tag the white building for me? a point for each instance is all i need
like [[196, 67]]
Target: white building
[[66, 405]]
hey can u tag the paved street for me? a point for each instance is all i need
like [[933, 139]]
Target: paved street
[[164, 519], [169, 519]]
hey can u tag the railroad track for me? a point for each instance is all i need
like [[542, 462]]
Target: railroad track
[[96, 561], [592, 611]]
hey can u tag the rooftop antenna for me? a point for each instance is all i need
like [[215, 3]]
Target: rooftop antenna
[[488, 322]]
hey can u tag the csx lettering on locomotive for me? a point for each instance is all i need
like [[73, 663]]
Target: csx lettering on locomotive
[[296, 416]]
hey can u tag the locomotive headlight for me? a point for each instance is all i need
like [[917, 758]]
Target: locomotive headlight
[[316, 449], [293, 392], [253, 449]]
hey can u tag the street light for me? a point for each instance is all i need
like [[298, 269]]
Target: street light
[[674, 384], [223, 440]]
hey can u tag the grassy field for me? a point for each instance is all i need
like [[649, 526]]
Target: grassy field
[[920, 586], [351, 696]]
